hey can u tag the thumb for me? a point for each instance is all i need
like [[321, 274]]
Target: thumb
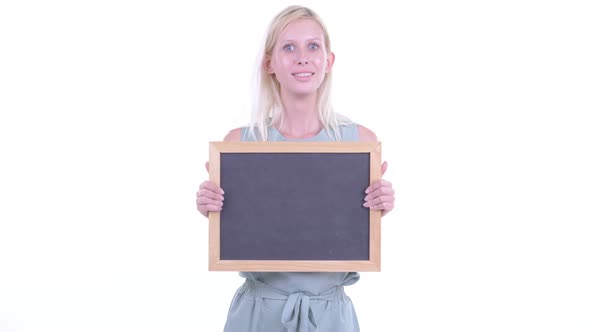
[[383, 168], [207, 166]]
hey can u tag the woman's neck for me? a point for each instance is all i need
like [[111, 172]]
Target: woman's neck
[[300, 118]]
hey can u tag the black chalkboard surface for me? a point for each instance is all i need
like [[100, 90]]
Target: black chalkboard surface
[[294, 206]]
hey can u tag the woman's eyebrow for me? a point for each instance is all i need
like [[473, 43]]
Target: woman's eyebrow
[[307, 40]]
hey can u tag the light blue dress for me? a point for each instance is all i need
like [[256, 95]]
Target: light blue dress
[[294, 301]]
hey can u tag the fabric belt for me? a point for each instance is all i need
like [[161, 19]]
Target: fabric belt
[[297, 314]]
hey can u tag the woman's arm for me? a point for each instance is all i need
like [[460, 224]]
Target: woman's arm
[[210, 195], [380, 194]]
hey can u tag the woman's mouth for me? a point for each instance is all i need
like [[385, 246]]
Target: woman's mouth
[[303, 76]]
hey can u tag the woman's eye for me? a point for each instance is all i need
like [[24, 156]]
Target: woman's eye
[[289, 47], [314, 46]]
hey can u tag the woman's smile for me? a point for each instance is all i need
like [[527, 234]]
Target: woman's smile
[[303, 76]]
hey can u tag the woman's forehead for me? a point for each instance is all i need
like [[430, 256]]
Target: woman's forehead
[[302, 29]]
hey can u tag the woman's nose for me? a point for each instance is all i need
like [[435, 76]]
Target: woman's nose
[[302, 58], [303, 61]]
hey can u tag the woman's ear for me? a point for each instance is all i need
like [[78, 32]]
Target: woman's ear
[[267, 65], [331, 58]]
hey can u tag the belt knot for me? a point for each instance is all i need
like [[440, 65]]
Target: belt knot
[[297, 315]]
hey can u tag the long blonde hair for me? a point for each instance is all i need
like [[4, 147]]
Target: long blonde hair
[[267, 106]]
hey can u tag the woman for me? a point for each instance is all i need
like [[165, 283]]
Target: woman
[[294, 105]]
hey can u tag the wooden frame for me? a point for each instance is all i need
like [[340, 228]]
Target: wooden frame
[[374, 261]]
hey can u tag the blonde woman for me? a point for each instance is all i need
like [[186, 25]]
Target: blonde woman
[[293, 104]]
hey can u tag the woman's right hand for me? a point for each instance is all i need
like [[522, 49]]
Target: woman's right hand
[[209, 197]]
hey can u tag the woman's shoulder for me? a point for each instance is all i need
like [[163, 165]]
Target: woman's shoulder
[[354, 131], [366, 134], [234, 135]]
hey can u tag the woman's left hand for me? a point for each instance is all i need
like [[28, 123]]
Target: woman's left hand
[[380, 194]]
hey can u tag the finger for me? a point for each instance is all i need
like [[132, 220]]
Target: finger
[[383, 168], [203, 200], [378, 200], [211, 186], [207, 166], [385, 206], [211, 208], [381, 191], [376, 185], [210, 194]]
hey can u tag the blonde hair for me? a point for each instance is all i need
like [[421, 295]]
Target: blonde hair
[[267, 107]]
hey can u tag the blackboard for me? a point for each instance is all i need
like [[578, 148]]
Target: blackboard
[[294, 206]]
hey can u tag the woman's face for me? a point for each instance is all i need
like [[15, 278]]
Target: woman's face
[[299, 59]]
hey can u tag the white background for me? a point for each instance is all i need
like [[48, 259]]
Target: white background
[[107, 108]]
